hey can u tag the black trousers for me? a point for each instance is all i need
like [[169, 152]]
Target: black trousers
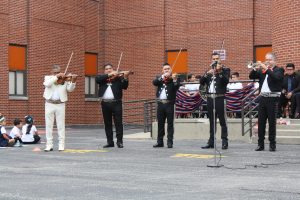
[[283, 101], [113, 110], [220, 113], [165, 111], [295, 104], [267, 110]]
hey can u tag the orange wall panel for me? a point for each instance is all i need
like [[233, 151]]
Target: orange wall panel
[[260, 53], [181, 64], [90, 63], [16, 58]]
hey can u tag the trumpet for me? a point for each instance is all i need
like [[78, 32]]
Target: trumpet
[[252, 65]]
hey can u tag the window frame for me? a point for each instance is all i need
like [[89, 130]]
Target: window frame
[[24, 72], [89, 95]]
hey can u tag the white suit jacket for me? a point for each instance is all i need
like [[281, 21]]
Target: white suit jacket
[[51, 86]]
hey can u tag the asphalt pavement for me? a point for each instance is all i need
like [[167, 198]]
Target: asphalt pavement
[[140, 172]]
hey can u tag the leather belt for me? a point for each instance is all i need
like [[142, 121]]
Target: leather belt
[[53, 101], [270, 94], [163, 101], [215, 95], [110, 100]]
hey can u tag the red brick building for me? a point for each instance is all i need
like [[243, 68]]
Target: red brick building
[[36, 34]]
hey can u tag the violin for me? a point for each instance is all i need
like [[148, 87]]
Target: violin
[[63, 78], [120, 74]]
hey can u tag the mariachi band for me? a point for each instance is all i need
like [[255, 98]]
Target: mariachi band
[[112, 83], [215, 80]]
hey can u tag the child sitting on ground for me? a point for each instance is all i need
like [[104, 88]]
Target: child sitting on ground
[[5, 139], [30, 134], [16, 132]]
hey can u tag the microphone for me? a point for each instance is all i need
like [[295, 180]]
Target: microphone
[[214, 64]]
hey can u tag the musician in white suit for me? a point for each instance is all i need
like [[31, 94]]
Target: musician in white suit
[[55, 95]]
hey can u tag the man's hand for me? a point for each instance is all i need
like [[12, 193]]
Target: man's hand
[[211, 71], [262, 65], [74, 79], [167, 75], [289, 95], [60, 75], [126, 74], [113, 73]]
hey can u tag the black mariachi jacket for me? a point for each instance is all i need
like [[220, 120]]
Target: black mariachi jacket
[[171, 87], [285, 81], [275, 78], [221, 81], [117, 85]]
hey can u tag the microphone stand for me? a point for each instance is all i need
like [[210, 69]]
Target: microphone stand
[[215, 165]]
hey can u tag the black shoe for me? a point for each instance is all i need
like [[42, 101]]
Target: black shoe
[[272, 147], [120, 144], [170, 145], [260, 148], [109, 145], [158, 145], [208, 146], [225, 144]]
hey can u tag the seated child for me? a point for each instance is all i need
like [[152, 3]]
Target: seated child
[[16, 132], [5, 139], [30, 134]]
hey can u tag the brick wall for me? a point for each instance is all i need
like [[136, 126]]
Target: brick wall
[[136, 28], [4, 41], [143, 31], [286, 29], [263, 22]]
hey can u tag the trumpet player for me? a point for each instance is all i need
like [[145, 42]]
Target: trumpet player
[[270, 83], [216, 80]]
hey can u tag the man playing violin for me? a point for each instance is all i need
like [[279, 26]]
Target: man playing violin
[[56, 96], [111, 86], [216, 80], [166, 95]]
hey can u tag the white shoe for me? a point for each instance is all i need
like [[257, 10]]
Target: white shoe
[[18, 144], [61, 147], [48, 148]]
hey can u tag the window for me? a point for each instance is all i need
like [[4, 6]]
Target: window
[[17, 70], [181, 66], [260, 52], [90, 63]]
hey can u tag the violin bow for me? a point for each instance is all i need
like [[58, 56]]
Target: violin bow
[[119, 61], [176, 59], [69, 63]]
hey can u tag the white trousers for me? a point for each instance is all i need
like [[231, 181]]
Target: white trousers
[[56, 111]]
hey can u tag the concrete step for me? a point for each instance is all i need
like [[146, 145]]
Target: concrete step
[[281, 139], [199, 129], [289, 132], [292, 121]]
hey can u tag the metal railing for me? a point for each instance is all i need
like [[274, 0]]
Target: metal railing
[[139, 114], [249, 112]]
